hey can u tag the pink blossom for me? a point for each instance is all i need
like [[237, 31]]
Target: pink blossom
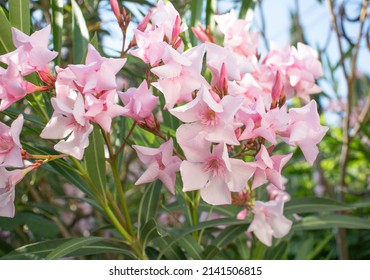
[[180, 75], [10, 146], [161, 164], [68, 121], [151, 47], [103, 109], [214, 174], [98, 74], [268, 169], [12, 86], [32, 53], [139, 102], [269, 221], [262, 122], [214, 119], [8, 180], [165, 15], [237, 35], [305, 130]]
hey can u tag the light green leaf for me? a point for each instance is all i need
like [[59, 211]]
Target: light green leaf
[[58, 21], [313, 204], [95, 159], [246, 6], [80, 32], [70, 246], [6, 43], [19, 15], [331, 221], [196, 10]]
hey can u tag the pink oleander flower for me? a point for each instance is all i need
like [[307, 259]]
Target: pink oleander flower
[[12, 86], [305, 131], [68, 121], [262, 122], [276, 193], [268, 169], [214, 174], [8, 180], [103, 109], [166, 16], [237, 35], [10, 146], [299, 68], [214, 119], [98, 74], [269, 221], [139, 102], [151, 47], [32, 53], [161, 164], [180, 75]]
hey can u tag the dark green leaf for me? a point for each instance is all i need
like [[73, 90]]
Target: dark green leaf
[[148, 232], [331, 221], [246, 6], [191, 247], [71, 246], [149, 203], [276, 252], [313, 204]]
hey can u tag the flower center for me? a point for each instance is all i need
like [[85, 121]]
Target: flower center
[[6, 143], [208, 117], [215, 165]]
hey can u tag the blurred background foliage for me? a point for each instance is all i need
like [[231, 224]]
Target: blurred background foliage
[[50, 207]]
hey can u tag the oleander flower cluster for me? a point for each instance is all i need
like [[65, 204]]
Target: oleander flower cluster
[[231, 103]]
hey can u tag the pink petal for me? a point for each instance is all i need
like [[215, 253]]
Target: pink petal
[[193, 176]]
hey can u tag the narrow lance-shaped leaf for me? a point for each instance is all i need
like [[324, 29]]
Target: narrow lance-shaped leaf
[[80, 33], [19, 15], [58, 21], [95, 160], [6, 43], [71, 246]]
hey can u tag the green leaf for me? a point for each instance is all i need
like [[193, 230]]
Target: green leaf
[[226, 236], [313, 253], [313, 204], [246, 6], [276, 252], [149, 203], [196, 10], [38, 225], [70, 246], [58, 21], [19, 15], [148, 232], [95, 159], [331, 221], [168, 249], [202, 226], [6, 43], [80, 33], [41, 249], [191, 247]]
